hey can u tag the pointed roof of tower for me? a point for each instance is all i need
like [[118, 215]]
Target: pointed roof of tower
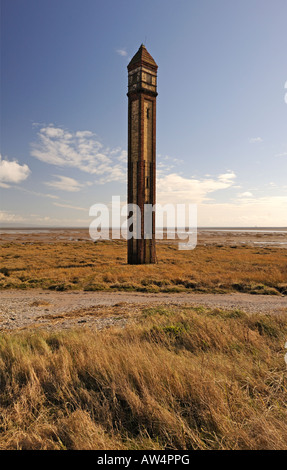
[[142, 56]]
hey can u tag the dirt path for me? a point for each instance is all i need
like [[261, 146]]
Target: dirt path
[[57, 310]]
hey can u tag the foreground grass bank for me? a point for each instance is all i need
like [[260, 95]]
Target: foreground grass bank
[[179, 378], [102, 266]]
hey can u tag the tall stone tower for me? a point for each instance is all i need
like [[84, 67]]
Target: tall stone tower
[[142, 93]]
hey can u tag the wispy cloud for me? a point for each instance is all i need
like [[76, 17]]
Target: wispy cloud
[[64, 183], [69, 206], [81, 150], [36, 193], [255, 140], [166, 164], [12, 172], [122, 52], [284, 154]]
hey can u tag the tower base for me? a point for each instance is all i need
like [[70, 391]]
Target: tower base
[[141, 252]]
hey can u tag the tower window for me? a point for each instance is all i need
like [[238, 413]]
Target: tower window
[[147, 113], [148, 78], [147, 182]]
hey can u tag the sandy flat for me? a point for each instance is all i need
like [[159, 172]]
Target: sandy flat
[[272, 237]]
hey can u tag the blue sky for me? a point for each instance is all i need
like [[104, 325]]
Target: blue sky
[[221, 115]]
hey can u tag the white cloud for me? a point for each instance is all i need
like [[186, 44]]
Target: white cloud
[[80, 150], [64, 183], [175, 188], [6, 216], [55, 133], [261, 212], [227, 178], [245, 194], [12, 172], [122, 52], [123, 157], [255, 140], [245, 210]]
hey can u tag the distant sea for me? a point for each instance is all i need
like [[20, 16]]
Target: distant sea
[[169, 229]]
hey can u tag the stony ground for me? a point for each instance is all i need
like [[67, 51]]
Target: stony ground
[[62, 310]]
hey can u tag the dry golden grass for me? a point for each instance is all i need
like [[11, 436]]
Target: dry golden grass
[[180, 378], [102, 266]]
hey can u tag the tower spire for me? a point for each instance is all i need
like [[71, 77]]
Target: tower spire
[[142, 56]]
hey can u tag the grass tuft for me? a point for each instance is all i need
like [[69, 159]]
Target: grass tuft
[[177, 378]]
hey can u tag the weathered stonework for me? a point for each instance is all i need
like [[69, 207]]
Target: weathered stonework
[[142, 93]]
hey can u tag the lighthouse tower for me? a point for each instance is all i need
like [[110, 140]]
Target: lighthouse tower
[[142, 93]]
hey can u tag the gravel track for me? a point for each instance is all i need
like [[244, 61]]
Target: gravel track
[[62, 310]]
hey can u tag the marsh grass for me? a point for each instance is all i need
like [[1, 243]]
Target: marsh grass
[[177, 378], [62, 266]]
